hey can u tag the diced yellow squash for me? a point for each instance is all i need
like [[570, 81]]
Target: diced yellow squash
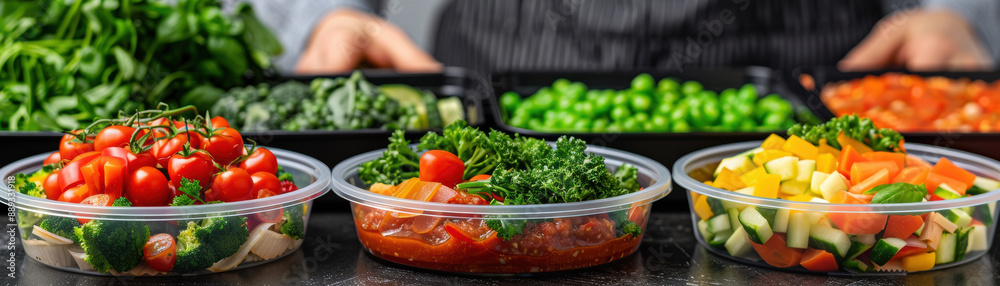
[[729, 180], [694, 196], [827, 149], [773, 142], [800, 147], [767, 186], [826, 163], [709, 183], [751, 177], [857, 145], [800, 198], [702, 209], [919, 262], [767, 155]]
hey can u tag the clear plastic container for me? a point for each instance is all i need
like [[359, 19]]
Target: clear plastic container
[[455, 238], [691, 170], [264, 244]]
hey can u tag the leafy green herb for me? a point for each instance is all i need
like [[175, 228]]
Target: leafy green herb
[[397, 163], [191, 192], [861, 129], [898, 193]]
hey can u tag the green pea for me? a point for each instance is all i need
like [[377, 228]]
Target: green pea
[[727, 95], [712, 113], [519, 121], [632, 125], [748, 125], [641, 117], [680, 113], [641, 102], [669, 96], [668, 84], [620, 99], [774, 120], [565, 103], [747, 93], [544, 99], [536, 124], [561, 84], [664, 108], [642, 82], [680, 127], [584, 109], [659, 123], [691, 87], [581, 126], [620, 113], [509, 100], [602, 105], [614, 127], [600, 125], [731, 121]]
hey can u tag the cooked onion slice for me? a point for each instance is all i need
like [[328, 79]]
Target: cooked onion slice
[[80, 258], [50, 237], [48, 253], [271, 244]]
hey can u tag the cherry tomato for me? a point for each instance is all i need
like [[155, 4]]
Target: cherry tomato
[[262, 160], [136, 161], [442, 167], [51, 184], [190, 131], [225, 145], [160, 252], [101, 200], [53, 158], [218, 122], [264, 181], [273, 216], [113, 136], [148, 187], [75, 194], [197, 166], [232, 185], [69, 150], [86, 157], [163, 149], [209, 197]]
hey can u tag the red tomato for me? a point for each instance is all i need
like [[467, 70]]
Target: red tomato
[[264, 181], [148, 187], [51, 184], [75, 194], [197, 166], [273, 216], [101, 200], [53, 158], [218, 122], [190, 131], [113, 136], [262, 160], [442, 167], [163, 149], [69, 150], [160, 252], [232, 185], [225, 145], [136, 161], [209, 197], [86, 157]]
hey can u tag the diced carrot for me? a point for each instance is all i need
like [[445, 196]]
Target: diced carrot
[[898, 158], [858, 146], [444, 194], [848, 156], [902, 226], [934, 180], [406, 188], [426, 191], [912, 175], [914, 161], [862, 170], [776, 253], [382, 189], [819, 260], [879, 178], [851, 198], [858, 223], [948, 169]]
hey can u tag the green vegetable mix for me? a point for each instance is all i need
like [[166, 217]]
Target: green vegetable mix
[[854, 126]]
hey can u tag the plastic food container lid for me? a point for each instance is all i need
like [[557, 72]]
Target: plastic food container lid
[[651, 173], [309, 173], [976, 164]]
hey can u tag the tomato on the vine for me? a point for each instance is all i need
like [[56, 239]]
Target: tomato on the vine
[[196, 166], [232, 185], [69, 149], [442, 167], [52, 158], [160, 252], [164, 148], [262, 160], [143, 159], [51, 184], [225, 145], [218, 122], [113, 136], [264, 181], [148, 187]]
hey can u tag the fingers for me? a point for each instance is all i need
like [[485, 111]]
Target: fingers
[[338, 52], [391, 47], [878, 49]]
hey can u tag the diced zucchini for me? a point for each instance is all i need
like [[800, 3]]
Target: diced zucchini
[[946, 248], [833, 185], [781, 220], [857, 248], [756, 226], [798, 231], [719, 239], [961, 243], [793, 188], [703, 229], [734, 219], [739, 164], [738, 244], [975, 191], [865, 238], [988, 185], [830, 239], [787, 167], [885, 249], [715, 205], [983, 213], [817, 180], [719, 223], [946, 192], [957, 216], [978, 240], [805, 172], [814, 217], [855, 265], [749, 153]]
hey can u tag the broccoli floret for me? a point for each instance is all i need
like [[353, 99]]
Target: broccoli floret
[[121, 202], [206, 242], [397, 163], [292, 223], [624, 226], [32, 184], [258, 118], [112, 244], [61, 226], [26, 219]]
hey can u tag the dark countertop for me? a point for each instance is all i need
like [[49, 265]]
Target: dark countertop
[[669, 255]]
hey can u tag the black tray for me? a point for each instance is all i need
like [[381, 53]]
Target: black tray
[[979, 143], [662, 147]]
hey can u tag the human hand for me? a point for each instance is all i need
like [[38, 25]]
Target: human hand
[[346, 37], [920, 40]]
